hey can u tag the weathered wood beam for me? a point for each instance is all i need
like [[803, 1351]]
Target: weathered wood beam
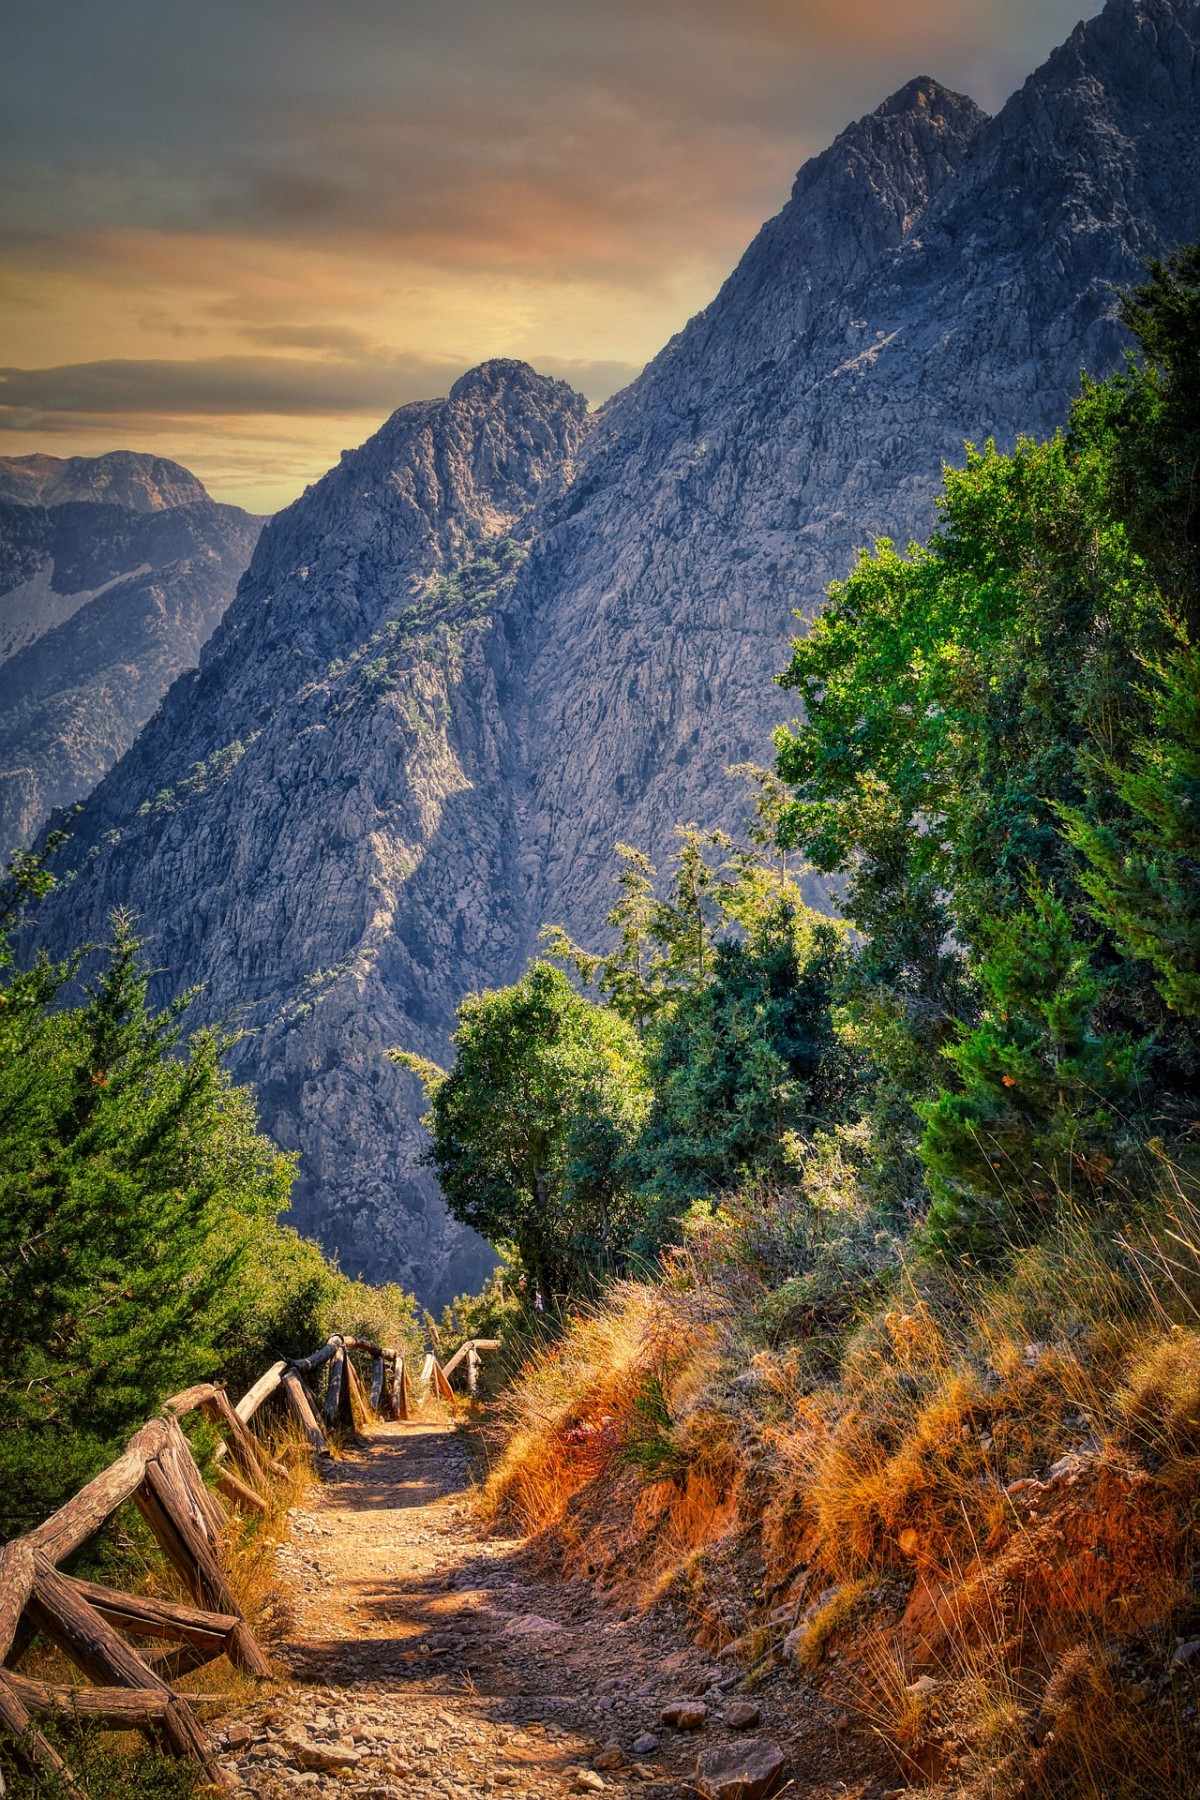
[[191, 1557], [30, 1747], [128, 1709], [337, 1381], [243, 1446], [149, 1616], [305, 1365], [262, 1390], [359, 1417], [73, 1524], [472, 1369], [236, 1490], [399, 1395], [441, 1385], [301, 1404], [377, 1374], [205, 1509], [191, 1398], [449, 1368], [16, 1585], [67, 1620]]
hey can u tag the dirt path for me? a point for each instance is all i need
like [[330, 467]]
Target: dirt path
[[432, 1662]]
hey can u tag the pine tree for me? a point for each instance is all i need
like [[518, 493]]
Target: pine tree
[[1039, 1096]]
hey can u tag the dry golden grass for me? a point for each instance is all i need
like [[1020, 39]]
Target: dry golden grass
[[1014, 1462]]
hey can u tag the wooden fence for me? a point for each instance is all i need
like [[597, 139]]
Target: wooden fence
[[93, 1625]]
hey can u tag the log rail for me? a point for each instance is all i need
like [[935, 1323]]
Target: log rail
[[94, 1625]]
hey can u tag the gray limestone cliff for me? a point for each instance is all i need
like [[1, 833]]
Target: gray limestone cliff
[[113, 571], [502, 634]]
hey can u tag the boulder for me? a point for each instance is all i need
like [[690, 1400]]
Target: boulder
[[747, 1770]]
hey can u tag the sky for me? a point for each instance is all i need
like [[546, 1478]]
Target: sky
[[239, 233]]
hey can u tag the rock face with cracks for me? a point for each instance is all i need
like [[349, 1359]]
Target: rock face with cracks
[[501, 635]]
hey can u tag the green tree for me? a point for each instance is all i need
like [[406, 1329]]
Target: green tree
[[1144, 882], [1039, 1104], [533, 1126], [745, 1060], [133, 1184]]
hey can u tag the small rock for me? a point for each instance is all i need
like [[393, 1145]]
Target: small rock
[[611, 1757], [325, 1758], [588, 1782], [747, 1770], [742, 1715], [924, 1684], [531, 1626], [685, 1715], [1185, 1653], [643, 1771], [238, 1736], [645, 1745]]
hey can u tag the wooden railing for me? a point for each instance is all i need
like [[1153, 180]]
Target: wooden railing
[[93, 1625]]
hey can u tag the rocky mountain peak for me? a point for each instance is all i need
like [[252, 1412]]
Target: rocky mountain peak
[[127, 478], [501, 636]]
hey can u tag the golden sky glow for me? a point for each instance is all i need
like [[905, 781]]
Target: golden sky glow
[[239, 232]]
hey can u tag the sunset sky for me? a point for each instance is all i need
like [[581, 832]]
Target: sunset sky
[[240, 232]]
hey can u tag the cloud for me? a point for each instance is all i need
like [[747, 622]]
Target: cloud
[[129, 388], [233, 227]]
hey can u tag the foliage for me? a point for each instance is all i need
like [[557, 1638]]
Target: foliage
[[745, 1060], [1037, 1110], [1009, 798], [139, 1249], [533, 1123], [1144, 884]]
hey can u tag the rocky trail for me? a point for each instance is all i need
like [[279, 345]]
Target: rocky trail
[[432, 1661]]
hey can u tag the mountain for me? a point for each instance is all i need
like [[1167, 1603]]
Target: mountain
[[501, 634], [113, 571]]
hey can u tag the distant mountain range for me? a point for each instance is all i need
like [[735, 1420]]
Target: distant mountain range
[[113, 572], [503, 634]]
